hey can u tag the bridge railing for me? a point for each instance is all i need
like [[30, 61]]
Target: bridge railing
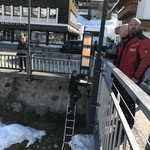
[[41, 62], [112, 130]]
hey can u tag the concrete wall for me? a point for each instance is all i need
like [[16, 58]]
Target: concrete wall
[[39, 95]]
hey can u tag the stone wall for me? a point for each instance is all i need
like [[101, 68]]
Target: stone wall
[[41, 95]]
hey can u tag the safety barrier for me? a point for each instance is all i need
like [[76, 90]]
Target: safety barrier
[[41, 62], [112, 130]]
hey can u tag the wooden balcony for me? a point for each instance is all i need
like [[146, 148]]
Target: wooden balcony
[[128, 11]]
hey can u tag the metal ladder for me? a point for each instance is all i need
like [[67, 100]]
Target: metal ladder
[[69, 126]]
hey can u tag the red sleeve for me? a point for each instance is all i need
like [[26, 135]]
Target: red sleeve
[[144, 52]]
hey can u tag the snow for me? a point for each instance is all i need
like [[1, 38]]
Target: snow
[[16, 133], [82, 142], [93, 25]]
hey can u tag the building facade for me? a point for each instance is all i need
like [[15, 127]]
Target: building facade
[[52, 22], [127, 9]]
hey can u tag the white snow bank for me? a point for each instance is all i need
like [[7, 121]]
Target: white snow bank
[[16, 133], [82, 142]]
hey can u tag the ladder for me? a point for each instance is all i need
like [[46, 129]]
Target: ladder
[[69, 126]]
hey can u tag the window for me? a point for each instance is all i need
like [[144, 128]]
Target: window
[[56, 38], [0, 9], [18, 34], [43, 13], [25, 11], [52, 13], [34, 12], [8, 10], [38, 36], [16, 11]]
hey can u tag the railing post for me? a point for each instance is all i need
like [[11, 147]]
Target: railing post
[[29, 50], [97, 70]]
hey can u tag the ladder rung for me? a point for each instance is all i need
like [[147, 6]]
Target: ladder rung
[[70, 120], [65, 142], [69, 127], [68, 134], [71, 113]]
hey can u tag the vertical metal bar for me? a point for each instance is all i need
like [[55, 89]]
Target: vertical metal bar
[[69, 67], [16, 58], [72, 66], [97, 68], [54, 66], [39, 64], [1, 60], [124, 142], [65, 67], [120, 134], [61, 66], [12, 58], [43, 61], [46, 65], [57, 66], [109, 125], [32, 67], [49, 65], [109, 104], [112, 133], [76, 66], [4, 60], [29, 33], [116, 132], [8, 61]]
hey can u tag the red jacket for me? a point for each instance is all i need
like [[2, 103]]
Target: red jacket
[[134, 56]]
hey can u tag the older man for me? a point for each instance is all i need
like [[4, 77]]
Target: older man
[[123, 31], [134, 52], [133, 60]]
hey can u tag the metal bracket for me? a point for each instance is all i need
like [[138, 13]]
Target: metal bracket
[[96, 105]]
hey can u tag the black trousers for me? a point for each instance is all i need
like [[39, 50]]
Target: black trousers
[[21, 60], [128, 100], [74, 97]]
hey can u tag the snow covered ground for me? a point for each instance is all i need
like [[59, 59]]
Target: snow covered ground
[[16, 133], [82, 142]]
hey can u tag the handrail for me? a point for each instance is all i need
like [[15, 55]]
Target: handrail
[[138, 95]]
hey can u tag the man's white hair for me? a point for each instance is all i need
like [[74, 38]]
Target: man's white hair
[[124, 26], [136, 20]]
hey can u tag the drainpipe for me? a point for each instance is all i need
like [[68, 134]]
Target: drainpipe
[[29, 35], [97, 70]]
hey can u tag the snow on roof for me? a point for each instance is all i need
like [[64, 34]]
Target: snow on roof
[[93, 25]]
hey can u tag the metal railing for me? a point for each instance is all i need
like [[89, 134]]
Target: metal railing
[[112, 131], [42, 62]]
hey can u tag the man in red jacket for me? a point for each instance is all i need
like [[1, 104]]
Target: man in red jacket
[[134, 52], [133, 60]]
